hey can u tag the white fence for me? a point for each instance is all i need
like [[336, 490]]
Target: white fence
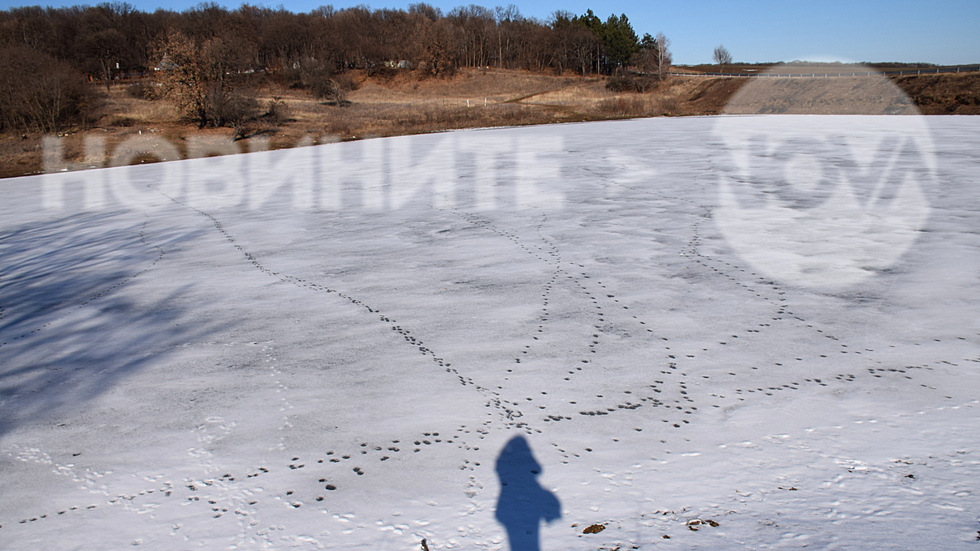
[[927, 71]]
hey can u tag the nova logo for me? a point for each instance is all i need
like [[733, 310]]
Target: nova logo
[[823, 201]]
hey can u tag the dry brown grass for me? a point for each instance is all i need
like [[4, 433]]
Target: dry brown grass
[[401, 104], [398, 104], [142, 110]]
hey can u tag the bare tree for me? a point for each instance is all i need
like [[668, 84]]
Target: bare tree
[[439, 44], [664, 58], [722, 57], [106, 47], [180, 75], [201, 78], [39, 93]]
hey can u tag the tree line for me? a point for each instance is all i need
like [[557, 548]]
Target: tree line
[[113, 40]]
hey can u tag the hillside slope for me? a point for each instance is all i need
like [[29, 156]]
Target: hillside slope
[[943, 94], [401, 104]]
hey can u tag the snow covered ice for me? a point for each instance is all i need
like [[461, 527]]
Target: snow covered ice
[[339, 363]]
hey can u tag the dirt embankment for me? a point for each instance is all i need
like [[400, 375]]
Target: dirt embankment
[[403, 104], [942, 94], [707, 96]]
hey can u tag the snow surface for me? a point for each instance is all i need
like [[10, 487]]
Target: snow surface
[[316, 371]]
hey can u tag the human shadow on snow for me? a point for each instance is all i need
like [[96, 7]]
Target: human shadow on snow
[[523, 503]]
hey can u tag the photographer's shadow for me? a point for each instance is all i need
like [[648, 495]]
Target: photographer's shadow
[[523, 503]]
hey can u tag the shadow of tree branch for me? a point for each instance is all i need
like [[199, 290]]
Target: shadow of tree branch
[[70, 329]]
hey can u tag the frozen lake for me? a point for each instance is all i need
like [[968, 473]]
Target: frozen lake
[[710, 333]]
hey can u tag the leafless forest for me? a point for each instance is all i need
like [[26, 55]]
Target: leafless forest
[[209, 60]]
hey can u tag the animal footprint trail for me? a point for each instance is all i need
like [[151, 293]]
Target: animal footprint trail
[[591, 358], [674, 359], [284, 406], [236, 501], [770, 292], [220, 492], [307, 284], [761, 288], [576, 280], [550, 255], [618, 335], [524, 361], [102, 486]]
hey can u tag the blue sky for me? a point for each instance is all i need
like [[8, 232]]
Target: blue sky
[[937, 31]]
